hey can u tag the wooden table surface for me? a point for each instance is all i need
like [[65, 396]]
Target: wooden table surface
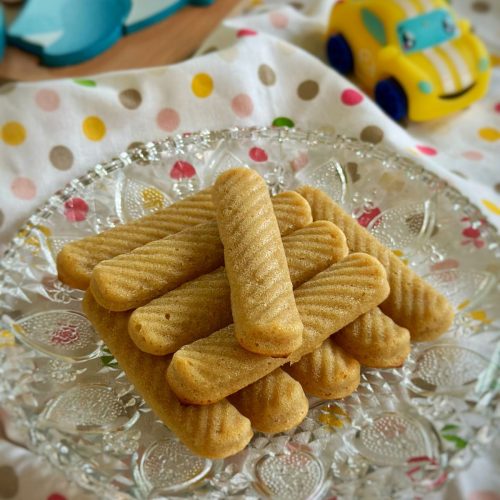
[[169, 41]]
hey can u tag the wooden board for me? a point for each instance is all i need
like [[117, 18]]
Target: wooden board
[[169, 41]]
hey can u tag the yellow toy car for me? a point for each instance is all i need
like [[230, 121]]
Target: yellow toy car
[[417, 58]]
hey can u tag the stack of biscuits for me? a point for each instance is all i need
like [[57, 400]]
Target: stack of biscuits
[[226, 308]]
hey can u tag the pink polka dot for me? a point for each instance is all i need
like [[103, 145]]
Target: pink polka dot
[[484, 495], [300, 161], [23, 188], [245, 32], [242, 105], [351, 97], [427, 150], [257, 154], [497, 107], [76, 209], [56, 496], [182, 170], [46, 99], [278, 20], [168, 119], [473, 155]]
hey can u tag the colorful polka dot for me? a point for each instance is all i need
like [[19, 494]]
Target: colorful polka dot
[[242, 105], [473, 155], [489, 134], [202, 85], [9, 482], [23, 188], [481, 6], [47, 100], [76, 209], [352, 170], [257, 154], [351, 97], [182, 170], [168, 119], [13, 133], [427, 150], [266, 75], [85, 82], [497, 187], [2, 218], [278, 20], [283, 121], [483, 495], [497, 107], [372, 134], [94, 128], [245, 32], [56, 496], [61, 157], [308, 90], [492, 207], [130, 98]]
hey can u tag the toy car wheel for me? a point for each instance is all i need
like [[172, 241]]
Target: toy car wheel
[[339, 54], [391, 97]]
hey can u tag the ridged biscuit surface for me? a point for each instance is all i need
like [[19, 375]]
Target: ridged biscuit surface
[[214, 431], [77, 259], [202, 306], [275, 403], [375, 340], [412, 303], [265, 316], [134, 279], [212, 368], [328, 372]]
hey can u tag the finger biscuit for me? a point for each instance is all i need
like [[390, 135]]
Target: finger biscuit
[[275, 403], [77, 259], [266, 320], [132, 280], [328, 372], [214, 367], [214, 431], [202, 306], [375, 340], [412, 303]]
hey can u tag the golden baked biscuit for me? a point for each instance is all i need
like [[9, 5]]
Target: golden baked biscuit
[[266, 320], [412, 303], [328, 372], [215, 431], [202, 306], [133, 279], [275, 403], [375, 340], [77, 259], [214, 367]]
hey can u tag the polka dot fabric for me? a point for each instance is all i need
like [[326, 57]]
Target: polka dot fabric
[[263, 68]]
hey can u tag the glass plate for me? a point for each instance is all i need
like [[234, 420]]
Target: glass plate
[[404, 432]]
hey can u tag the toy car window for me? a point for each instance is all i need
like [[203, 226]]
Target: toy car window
[[425, 31], [374, 26]]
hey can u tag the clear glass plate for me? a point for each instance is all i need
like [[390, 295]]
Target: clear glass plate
[[404, 432]]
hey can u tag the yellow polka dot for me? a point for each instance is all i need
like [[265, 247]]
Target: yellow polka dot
[[94, 128], [13, 133], [489, 134], [495, 60], [202, 85], [493, 207], [152, 198]]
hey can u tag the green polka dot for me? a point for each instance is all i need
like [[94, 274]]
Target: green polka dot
[[85, 82], [283, 121]]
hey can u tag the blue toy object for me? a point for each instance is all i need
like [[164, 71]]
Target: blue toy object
[[63, 32]]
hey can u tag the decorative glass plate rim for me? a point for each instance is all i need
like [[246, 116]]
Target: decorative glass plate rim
[[171, 145], [153, 152]]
